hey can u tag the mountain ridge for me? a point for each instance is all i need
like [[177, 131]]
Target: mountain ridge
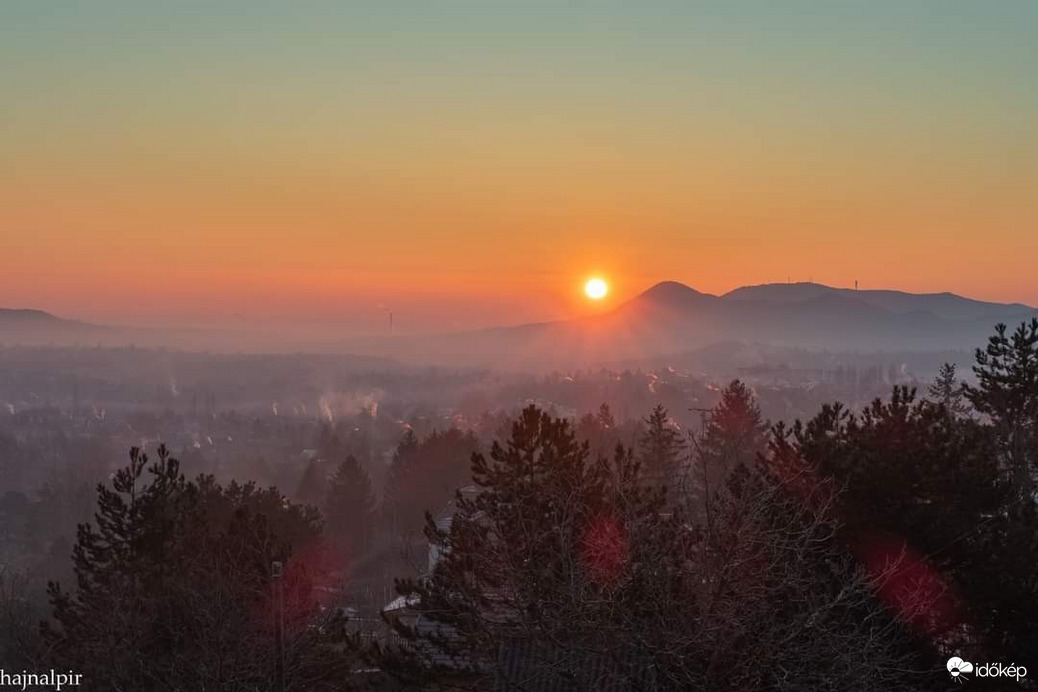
[[668, 317], [28, 314], [944, 304]]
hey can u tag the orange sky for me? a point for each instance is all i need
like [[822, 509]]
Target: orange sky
[[464, 174]]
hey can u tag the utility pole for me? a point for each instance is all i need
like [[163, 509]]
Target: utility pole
[[277, 582]]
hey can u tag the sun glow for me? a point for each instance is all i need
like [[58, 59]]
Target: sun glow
[[596, 289]]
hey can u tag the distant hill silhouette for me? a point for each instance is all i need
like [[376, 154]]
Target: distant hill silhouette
[[945, 305], [27, 326], [669, 318], [26, 316], [672, 318]]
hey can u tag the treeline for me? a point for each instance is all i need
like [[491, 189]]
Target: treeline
[[854, 550], [850, 551]]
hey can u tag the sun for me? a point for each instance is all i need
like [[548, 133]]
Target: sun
[[596, 288]]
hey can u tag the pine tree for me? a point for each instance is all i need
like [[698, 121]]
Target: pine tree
[[394, 497], [173, 585], [917, 482], [349, 507], [1007, 392], [948, 391], [599, 430], [106, 620], [407, 446], [661, 450], [540, 533], [424, 475], [735, 435], [313, 485]]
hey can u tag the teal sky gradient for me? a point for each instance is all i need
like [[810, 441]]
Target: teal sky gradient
[[714, 129]]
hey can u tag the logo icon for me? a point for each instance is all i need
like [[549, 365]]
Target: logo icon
[[958, 668]]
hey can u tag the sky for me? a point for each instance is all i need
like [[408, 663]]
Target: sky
[[471, 163]]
